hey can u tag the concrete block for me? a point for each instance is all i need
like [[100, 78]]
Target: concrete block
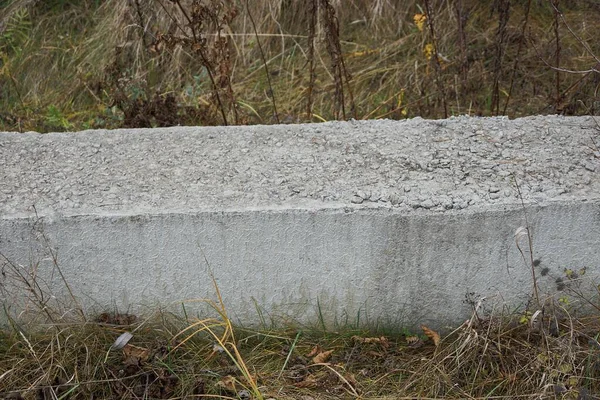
[[389, 222]]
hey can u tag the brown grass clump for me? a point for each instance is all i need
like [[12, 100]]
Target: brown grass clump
[[168, 357], [92, 64]]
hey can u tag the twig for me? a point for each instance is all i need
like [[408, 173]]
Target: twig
[[312, 11], [435, 57], [557, 54], [262, 55], [461, 18], [503, 16], [579, 39], [332, 42], [205, 61], [530, 242], [54, 256], [518, 57]]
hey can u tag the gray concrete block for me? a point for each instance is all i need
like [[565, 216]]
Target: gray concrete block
[[386, 221]]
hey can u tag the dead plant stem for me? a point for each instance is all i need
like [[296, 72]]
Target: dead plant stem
[[530, 243], [435, 56], [262, 55], [518, 55]]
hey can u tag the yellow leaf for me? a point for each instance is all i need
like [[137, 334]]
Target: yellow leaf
[[565, 368], [428, 50], [431, 334], [419, 20], [573, 381]]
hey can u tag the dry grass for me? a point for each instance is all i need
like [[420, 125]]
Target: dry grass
[[73, 65], [499, 356]]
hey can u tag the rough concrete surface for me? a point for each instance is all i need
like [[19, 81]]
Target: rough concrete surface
[[392, 220]]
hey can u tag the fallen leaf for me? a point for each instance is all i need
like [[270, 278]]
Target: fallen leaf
[[351, 379], [322, 357], [431, 334], [137, 354], [309, 382], [414, 341], [315, 350], [375, 354], [227, 383], [375, 340]]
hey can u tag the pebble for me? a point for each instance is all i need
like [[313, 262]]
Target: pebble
[[357, 199], [428, 204]]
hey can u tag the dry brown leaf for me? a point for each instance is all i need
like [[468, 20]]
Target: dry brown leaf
[[351, 379], [309, 382], [315, 350], [228, 383], [431, 334], [414, 341], [140, 354], [375, 354], [377, 340], [322, 357]]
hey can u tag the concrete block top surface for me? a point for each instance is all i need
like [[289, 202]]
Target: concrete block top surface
[[416, 164]]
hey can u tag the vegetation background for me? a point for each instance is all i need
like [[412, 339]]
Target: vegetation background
[[79, 64]]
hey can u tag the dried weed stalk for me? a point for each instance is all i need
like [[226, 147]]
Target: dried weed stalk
[[503, 9], [312, 11], [435, 57], [201, 29], [462, 17], [518, 55], [556, 26], [338, 67]]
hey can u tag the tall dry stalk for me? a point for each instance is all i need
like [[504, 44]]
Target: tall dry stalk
[[503, 8], [435, 59], [312, 11], [338, 67], [461, 19], [264, 60], [555, 24], [212, 47], [518, 56]]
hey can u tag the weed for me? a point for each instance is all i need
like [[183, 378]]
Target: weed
[[503, 9], [209, 62]]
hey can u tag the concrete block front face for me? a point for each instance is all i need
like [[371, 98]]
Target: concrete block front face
[[329, 218], [382, 266]]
